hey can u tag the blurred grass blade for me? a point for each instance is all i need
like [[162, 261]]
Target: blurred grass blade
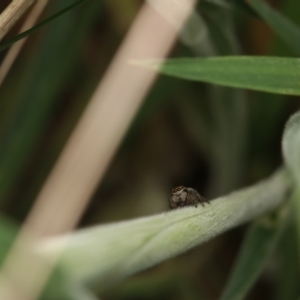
[[8, 231], [284, 28], [287, 283], [258, 245], [238, 4], [228, 113], [268, 74], [22, 35], [43, 77], [104, 253], [290, 149], [58, 287]]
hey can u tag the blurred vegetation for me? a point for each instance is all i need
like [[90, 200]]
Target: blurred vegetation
[[214, 139]]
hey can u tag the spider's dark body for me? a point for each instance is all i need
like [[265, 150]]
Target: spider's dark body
[[185, 196]]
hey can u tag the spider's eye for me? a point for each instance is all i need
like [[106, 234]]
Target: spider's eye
[[178, 189]]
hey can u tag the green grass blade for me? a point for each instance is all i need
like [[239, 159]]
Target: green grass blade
[[284, 28], [241, 5], [257, 247], [22, 35], [268, 74], [106, 254], [8, 231], [288, 278]]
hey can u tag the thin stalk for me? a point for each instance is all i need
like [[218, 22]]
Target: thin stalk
[[16, 48], [12, 14]]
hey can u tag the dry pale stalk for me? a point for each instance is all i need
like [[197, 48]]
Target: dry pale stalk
[[16, 48], [89, 150], [12, 14]]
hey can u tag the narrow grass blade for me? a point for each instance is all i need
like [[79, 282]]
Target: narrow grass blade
[[288, 278], [227, 110], [8, 232], [22, 35], [241, 5], [268, 74], [112, 252], [258, 245], [284, 28]]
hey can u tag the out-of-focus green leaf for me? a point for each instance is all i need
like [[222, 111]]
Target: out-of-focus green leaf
[[22, 35], [268, 74], [242, 5], [287, 30], [153, 285], [257, 246], [7, 234], [287, 286], [269, 110]]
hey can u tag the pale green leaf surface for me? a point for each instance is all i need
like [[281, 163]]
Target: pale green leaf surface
[[283, 27], [79, 292], [290, 148], [257, 246], [109, 253], [268, 74]]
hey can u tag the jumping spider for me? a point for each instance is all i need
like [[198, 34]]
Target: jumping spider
[[185, 196]]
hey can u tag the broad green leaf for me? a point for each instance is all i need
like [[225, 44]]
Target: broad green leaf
[[107, 254], [256, 249], [284, 28], [268, 74]]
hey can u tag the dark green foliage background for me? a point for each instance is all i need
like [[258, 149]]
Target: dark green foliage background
[[215, 139]]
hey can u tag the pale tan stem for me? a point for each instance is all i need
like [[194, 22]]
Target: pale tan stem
[[12, 14], [16, 48]]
